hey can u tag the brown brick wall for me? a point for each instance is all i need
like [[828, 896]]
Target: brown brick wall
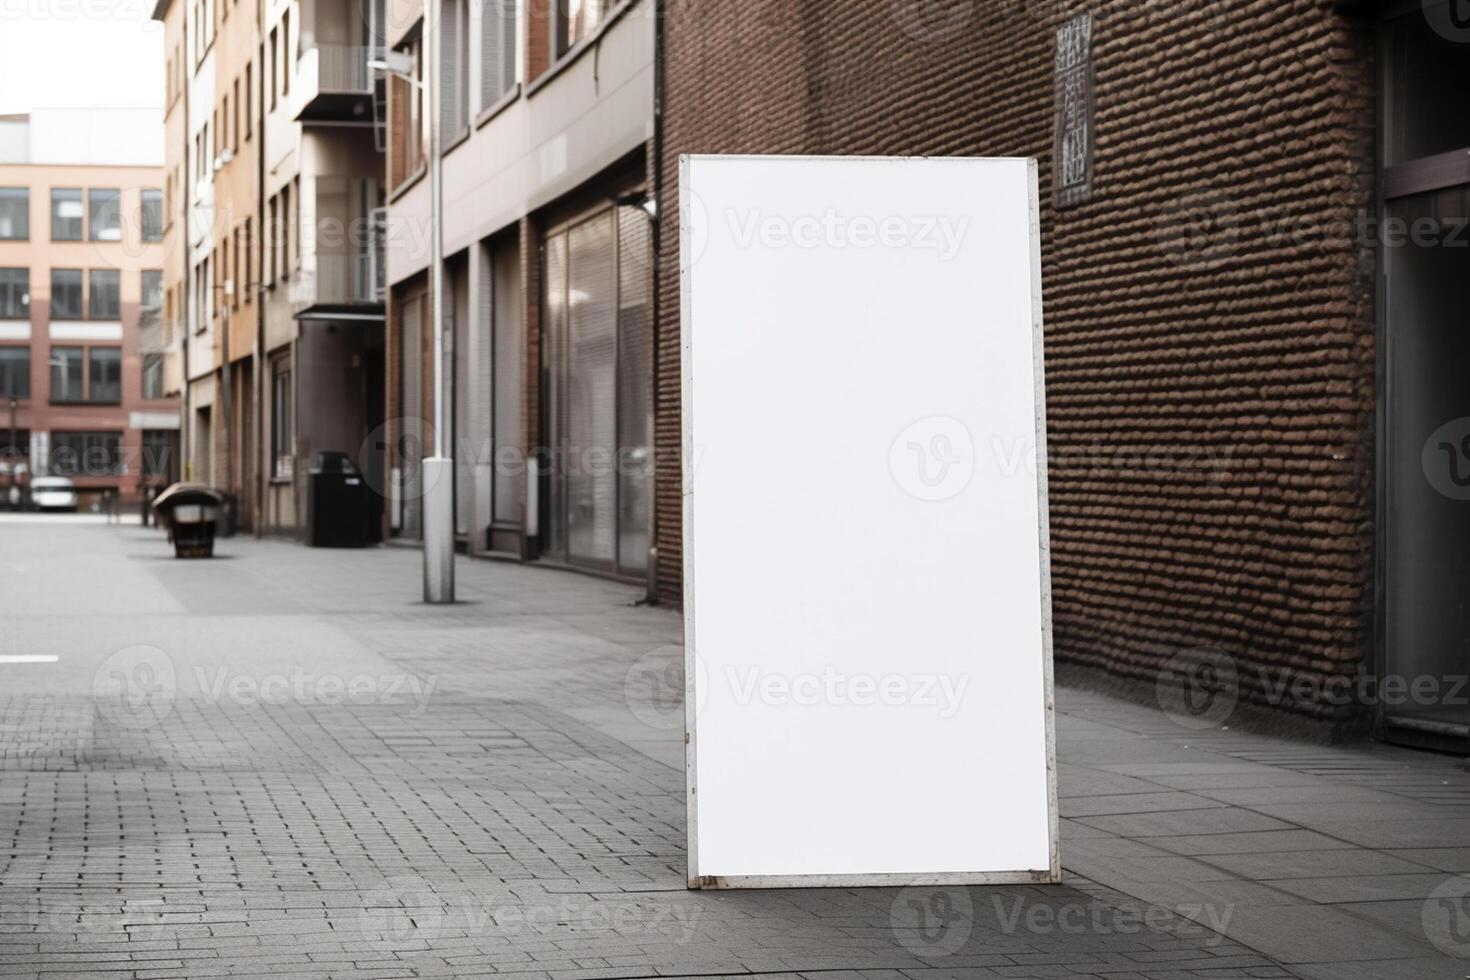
[[1209, 393]]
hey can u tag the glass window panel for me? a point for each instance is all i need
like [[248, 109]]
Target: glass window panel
[[151, 216], [555, 315], [591, 379], [151, 290], [66, 294], [66, 374], [15, 213], [509, 368], [497, 50], [635, 389], [15, 372], [158, 452], [105, 214], [15, 293], [1428, 88], [66, 214], [102, 302], [153, 375], [104, 375], [86, 453]]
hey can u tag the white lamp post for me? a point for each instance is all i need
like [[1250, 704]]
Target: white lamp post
[[437, 475]]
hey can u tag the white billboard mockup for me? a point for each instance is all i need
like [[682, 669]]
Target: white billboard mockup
[[867, 599]]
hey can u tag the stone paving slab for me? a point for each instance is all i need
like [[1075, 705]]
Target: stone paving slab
[[502, 793]]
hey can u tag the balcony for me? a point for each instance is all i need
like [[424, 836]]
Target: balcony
[[339, 282], [334, 84]]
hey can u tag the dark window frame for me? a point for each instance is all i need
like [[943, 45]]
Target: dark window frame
[[8, 354], [25, 284], [81, 306], [112, 395], [24, 195], [94, 292], [64, 195]]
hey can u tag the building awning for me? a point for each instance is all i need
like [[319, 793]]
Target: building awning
[[342, 313]]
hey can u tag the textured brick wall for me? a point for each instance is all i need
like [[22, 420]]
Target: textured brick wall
[[1209, 337]]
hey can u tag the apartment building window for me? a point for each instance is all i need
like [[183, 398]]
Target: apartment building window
[[294, 221], [150, 214], [406, 128], [158, 452], [104, 213], [281, 463], [86, 453], [66, 374], [103, 302], [15, 293], [247, 265], [576, 20], [232, 267], [287, 53], [497, 50], [275, 71], [598, 319], [454, 97], [249, 96], [66, 294], [270, 247], [151, 290], [153, 375], [66, 214], [15, 372], [104, 375], [15, 213]]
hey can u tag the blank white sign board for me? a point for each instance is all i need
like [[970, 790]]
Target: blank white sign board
[[867, 607]]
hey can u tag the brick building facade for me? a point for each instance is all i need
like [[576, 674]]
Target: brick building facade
[[82, 392], [1211, 335]]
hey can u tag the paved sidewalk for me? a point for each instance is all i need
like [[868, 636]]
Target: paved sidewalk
[[331, 780]]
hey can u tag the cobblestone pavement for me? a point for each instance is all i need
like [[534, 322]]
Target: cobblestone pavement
[[325, 778]]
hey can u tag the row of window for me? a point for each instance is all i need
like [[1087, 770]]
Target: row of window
[[497, 72], [67, 296], [232, 118], [89, 375], [97, 211], [74, 454]]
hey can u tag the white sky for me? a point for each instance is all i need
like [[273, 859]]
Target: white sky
[[79, 53]]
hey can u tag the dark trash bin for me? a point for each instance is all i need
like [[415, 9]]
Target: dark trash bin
[[337, 503], [191, 513]]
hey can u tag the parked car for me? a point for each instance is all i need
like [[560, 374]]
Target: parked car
[[53, 493]]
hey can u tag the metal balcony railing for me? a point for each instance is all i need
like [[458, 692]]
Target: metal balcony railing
[[339, 67], [339, 279]]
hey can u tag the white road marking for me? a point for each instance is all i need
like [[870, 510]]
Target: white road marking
[[28, 658]]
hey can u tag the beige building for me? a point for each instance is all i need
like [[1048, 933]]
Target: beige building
[[82, 388], [548, 122], [274, 163]]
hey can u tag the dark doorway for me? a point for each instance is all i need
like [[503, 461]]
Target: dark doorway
[[1423, 695]]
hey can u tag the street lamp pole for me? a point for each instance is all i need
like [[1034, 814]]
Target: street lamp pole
[[436, 480]]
